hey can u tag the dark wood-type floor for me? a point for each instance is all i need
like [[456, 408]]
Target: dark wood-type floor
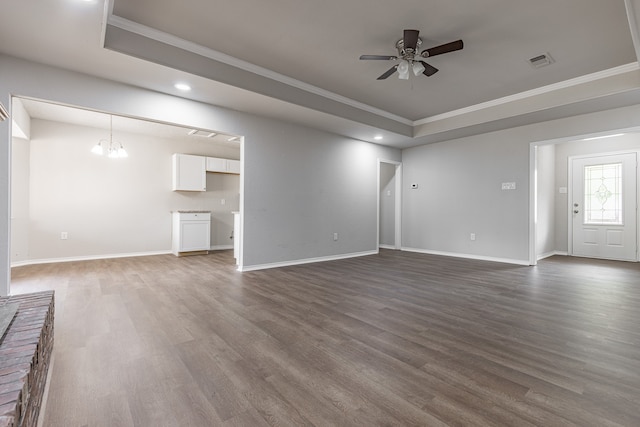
[[395, 339]]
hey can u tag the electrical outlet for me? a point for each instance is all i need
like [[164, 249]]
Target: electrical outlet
[[64, 235], [335, 236], [223, 202], [472, 236]]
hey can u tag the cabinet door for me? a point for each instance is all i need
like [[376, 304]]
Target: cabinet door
[[194, 236], [189, 173], [215, 164], [233, 166]]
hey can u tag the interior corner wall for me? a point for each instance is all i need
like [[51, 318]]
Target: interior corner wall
[[546, 201], [300, 185], [627, 142], [459, 187]]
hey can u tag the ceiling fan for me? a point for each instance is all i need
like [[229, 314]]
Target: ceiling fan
[[409, 57]]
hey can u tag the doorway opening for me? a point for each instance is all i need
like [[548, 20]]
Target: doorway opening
[[552, 212], [389, 204], [68, 203]]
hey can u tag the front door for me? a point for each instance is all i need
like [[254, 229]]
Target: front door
[[603, 207]]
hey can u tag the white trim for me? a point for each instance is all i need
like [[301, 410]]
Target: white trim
[[469, 256], [550, 254], [186, 45], [305, 261], [531, 93], [387, 247], [86, 258], [533, 203]]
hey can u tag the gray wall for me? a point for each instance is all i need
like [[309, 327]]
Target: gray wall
[[300, 185], [459, 187], [459, 193]]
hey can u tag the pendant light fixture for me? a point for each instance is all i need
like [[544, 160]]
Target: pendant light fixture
[[115, 150]]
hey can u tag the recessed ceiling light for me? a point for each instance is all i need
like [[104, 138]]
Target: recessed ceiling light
[[377, 137], [182, 86]]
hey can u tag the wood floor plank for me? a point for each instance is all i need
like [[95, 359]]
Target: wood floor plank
[[390, 339]]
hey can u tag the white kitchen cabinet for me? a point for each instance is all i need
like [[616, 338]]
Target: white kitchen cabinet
[[191, 232], [215, 164], [233, 166], [189, 173]]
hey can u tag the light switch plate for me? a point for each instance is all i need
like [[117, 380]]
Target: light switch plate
[[508, 185]]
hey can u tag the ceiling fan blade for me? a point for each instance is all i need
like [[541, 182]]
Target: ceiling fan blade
[[388, 72], [379, 57], [429, 70], [410, 39], [445, 48]]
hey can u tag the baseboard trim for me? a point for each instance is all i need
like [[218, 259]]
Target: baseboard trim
[[550, 254], [85, 258], [468, 256], [304, 261], [392, 247]]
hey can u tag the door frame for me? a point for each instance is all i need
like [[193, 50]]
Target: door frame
[[398, 204], [533, 197], [570, 171]]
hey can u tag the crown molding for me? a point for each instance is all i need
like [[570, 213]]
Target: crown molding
[[634, 66], [198, 49]]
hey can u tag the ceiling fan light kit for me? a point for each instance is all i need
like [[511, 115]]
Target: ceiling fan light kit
[[409, 57]]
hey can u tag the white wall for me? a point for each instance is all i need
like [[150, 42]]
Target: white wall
[[20, 194], [300, 185], [627, 142], [113, 206], [546, 201]]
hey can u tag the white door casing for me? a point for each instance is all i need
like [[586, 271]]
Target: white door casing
[[603, 208]]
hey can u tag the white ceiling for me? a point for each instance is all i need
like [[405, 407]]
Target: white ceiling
[[299, 60]]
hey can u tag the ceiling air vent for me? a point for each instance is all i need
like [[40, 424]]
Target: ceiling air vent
[[541, 60]]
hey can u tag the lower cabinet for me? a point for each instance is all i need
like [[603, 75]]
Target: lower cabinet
[[191, 232]]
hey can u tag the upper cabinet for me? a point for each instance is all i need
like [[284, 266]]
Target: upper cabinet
[[215, 164], [189, 173]]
